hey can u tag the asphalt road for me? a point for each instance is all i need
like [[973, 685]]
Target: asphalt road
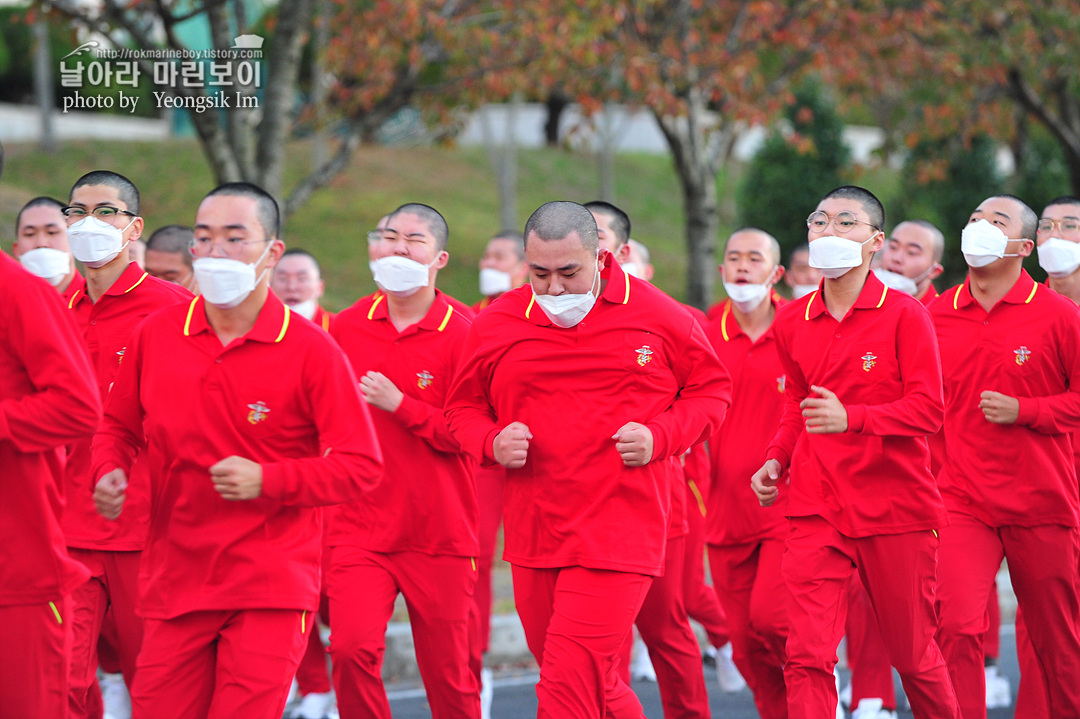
[[515, 695]]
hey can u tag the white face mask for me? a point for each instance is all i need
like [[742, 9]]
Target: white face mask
[[568, 310], [225, 283], [897, 281], [1060, 258], [747, 297], [836, 256], [494, 282], [400, 276], [94, 242], [800, 291], [47, 263], [633, 269], [982, 243], [305, 309]]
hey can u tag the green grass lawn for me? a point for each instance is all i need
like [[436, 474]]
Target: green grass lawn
[[172, 177]]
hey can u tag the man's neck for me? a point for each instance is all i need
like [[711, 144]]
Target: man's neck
[[407, 311], [235, 322], [1068, 286], [923, 290], [100, 279], [756, 322], [991, 283], [840, 294], [66, 282]]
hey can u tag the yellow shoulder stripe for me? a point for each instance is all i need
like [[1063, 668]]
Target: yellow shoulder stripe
[[884, 291], [284, 324], [71, 302], [723, 321], [807, 315], [371, 310], [446, 319], [190, 312], [626, 295], [144, 276], [1034, 289], [529, 308], [956, 297]]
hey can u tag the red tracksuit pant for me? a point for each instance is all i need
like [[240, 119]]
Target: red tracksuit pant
[[751, 589], [313, 676], [438, 590], [35, 658], [700, 599], [665, 628], [898, 571], [113, 587], [575, 621], [871, 672], [219, 664], [489, 495], [1042, 565]]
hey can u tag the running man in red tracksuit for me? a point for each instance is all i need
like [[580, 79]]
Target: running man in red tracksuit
[[103, 219], [584, 386], [416, 533], [252, 421], [1010, 353], [746, 541], [48, 398], [864, 391]]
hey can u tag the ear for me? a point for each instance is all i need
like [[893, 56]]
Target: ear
[[878, 242], [602, 260], [136, 229], [1026, 248], [441, 260], [648, 273], [277, 249], [778, 274], [623, 255], [935, 271]]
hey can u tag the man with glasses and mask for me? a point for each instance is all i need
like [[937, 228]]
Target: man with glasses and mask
[[416, 534], [1058, 246], [584, 385], [1010, 352], [102, 219], [252, 422], [863, 390]]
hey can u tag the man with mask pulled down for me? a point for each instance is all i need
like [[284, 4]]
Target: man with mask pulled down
[[102, 219], [911, 259], [250, 421], [298, 282], [746, 541], [584, 385], [863, 390], [502, 267], [416, 534], [1010, 352]]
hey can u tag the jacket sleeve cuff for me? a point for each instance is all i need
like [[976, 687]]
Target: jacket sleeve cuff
[[1028, 412], [487, 458], [273, 481], [780, 456], [406, 413], [661, 447], [856, 417]]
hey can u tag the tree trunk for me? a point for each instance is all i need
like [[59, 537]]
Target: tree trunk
[[43, 86], [696, 149], [556, 103], [607, 153]]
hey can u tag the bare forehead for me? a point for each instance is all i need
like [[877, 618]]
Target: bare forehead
[[561, 251], [1062, 210], [408, 223], [1001, 206], [94, 195], [42, 215], [296, 264], [227, 210], [749, 241], [908, 232], [835, 205]]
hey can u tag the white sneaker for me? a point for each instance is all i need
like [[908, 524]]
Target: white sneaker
[[998, 690], [641, 668], [731, 681], [314, 706], [115, 697], [872, 708], [487, 692]]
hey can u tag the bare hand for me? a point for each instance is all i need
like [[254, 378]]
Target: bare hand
[[109, 494], [999, 408], [764, 482], [236, 478], [511, 446], [824, 414], [380, 391], [635, 444]]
